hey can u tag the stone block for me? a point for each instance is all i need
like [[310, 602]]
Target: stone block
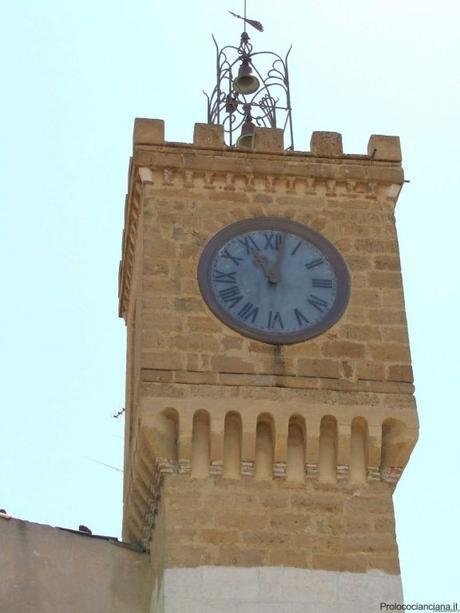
[[162, 359], [368, 370], [148, 131], [387, 564], [341, 563], [384, 148], [387, 262], [385, 524], [240, 556], [366, 506], [268, 139], [387, 316], [372, 245], [326, 144], [391, 280], [356, 332], [390, 352], [344, 349], [317, 504], [400, 372], [208, 135], [397, 334], [369, 544], [365, 297], [289, 557], [223, 363], [310, 367]]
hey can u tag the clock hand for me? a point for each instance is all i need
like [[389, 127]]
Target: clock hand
[[274, 273], [261, 261]]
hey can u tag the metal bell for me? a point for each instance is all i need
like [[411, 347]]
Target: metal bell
[[246, 137], [246, 82]]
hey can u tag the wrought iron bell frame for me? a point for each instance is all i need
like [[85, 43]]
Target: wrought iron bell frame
[[269, 106]]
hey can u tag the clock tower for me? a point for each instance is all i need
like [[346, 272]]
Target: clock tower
[[269, 397]]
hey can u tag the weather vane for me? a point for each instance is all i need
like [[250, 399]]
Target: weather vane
[[252, 90], [255, 24]]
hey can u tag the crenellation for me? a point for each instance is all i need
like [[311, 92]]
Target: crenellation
[[384, 148], [207, 135], [326, 144], [268, 140], [148, 132]]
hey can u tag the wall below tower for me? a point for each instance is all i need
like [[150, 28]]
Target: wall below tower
[[48, 570]]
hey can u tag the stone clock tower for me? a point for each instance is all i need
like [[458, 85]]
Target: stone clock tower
[[259, 470]]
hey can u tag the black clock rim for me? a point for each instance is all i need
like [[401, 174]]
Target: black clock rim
[[283, 224]]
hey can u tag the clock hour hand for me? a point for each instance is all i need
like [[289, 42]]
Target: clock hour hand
[[261, 261], [274, 273]]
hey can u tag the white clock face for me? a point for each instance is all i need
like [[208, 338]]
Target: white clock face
[[274, 280]]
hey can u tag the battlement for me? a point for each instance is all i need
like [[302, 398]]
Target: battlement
[[268, 140]]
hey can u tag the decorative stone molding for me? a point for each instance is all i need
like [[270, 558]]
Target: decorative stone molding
[[271, 379], [158, 444]]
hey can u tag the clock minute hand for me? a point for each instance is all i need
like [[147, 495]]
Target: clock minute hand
[[274, 273]]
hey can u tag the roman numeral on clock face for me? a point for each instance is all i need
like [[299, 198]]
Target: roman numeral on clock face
[[224, 277], [231, 295], [301, 319], [296, 248], [273, 240], [319, 304], [274, 320], [249, 312], [226, 254], [249, 243], [321, 283], [314, 263]]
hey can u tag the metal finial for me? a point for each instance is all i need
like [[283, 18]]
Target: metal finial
[[252, 22]]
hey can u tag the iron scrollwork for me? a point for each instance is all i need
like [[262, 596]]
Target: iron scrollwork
[[269, 106]]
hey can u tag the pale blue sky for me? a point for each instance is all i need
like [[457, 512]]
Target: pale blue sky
[[74, 77]]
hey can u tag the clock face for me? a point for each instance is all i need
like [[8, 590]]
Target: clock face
[[274, 280]]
